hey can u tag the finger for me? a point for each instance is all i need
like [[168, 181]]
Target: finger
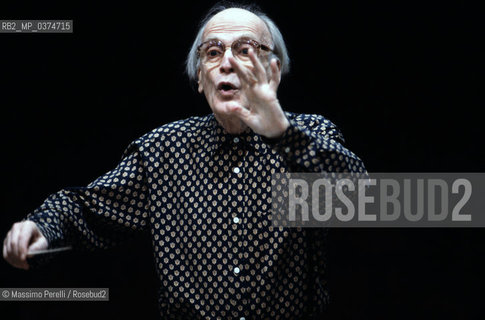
[[15, 257], [25, 235], [9, 240], [241, 112], [259, 71], [240, 70], [8, 252], [5, 248], [275, 75], [20, 237], [15, 241]]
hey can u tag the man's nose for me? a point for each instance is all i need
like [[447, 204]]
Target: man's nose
[[226, 66]]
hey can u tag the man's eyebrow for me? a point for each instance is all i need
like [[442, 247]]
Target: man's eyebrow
[[211, 39]]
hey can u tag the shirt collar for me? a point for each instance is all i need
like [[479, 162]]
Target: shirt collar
[[220, 139]]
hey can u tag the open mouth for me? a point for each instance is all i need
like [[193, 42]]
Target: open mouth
[[226, 87]]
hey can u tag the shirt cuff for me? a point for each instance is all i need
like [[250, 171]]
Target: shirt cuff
[[293, 144], [53, 241], [51, 235]]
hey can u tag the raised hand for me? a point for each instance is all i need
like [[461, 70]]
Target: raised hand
[[263, 113]]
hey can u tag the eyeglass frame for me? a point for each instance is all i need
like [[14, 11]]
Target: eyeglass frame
[[245, 40]]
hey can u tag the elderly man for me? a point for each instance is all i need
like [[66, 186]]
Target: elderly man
[[202, 187]]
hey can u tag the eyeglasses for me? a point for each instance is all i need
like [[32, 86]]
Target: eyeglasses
[[212, 51]]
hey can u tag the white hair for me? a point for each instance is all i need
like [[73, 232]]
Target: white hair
[[279, 51]]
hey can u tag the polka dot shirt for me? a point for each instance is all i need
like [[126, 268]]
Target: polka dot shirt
[[204, 195]]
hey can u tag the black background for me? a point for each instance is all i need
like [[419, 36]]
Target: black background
[[400, 79]]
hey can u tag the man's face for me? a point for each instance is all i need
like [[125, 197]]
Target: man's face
[[219, 81]]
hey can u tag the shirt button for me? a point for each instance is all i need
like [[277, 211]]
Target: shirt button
[[236, 270], [242, 318], [235, 220], [236, 140], [287, 149], [236, 170]]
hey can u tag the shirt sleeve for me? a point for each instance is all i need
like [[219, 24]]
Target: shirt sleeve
[[109, 210], [314, 144]]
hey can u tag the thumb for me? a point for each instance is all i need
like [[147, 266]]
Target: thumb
[[29, 234], [241, 112], [38, 244], [38, 241]]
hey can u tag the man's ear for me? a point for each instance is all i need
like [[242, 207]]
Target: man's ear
[[200, 86], [278, 62]]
